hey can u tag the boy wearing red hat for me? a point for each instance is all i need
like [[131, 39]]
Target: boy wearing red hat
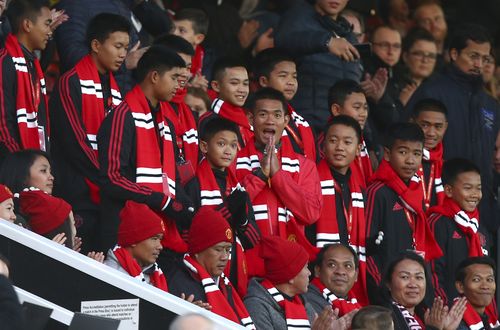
[[201, 273], [276, 302], [139, 245], [6, 204]]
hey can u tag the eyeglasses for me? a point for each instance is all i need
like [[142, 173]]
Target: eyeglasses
[[386, 45], [420, 55], [485, 59]]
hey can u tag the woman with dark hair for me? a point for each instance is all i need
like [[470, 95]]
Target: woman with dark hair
[[403, 290]]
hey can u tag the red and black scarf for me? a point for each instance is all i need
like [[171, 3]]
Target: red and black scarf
[[269, 209], [217, 296], [305, 138], [28, 98], [232, 113], [128, 263], [435, 158], [474, 321], [93, 107], [413, 322], [468, 222], [185, 127], [411, 197], [211, 195], [327, 231], [344, 306], [364, 163], [155, 163], [295, 310]]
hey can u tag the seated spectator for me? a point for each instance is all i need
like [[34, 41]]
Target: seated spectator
[[202, 272], [83, 97], [136, 152], [276, 69], [6, 204], [395, 216], [432, 117], [419, 56], [24, 112], [192, 25], [475, 280], [373, 318], [216, 185], [456, 223], [283, 185], [358, 24], [336, 270], [489, 79], [275, 301], [323, 41], [199, 102], [403, 292], [346, 97], [139, 245], [230, 88]]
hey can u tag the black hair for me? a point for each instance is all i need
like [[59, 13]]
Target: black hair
[[15, 169], [102, 25], [266, 60], [404, 132], [414, 35], [321, 254], [338, 93], [216, 125], [452, 168], [18, 10], [175, 43], [461, 273], [468, 32], [158, 58], [224, 63], [429, 104], [197, 17], [346, 121], [372, 317], [266, 93]]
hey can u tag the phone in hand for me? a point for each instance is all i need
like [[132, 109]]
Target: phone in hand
[[364, 50]]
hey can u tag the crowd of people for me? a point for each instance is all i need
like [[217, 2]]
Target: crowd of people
[[296, 164]]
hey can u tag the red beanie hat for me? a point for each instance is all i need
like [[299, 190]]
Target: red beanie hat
[[5, 193], [283, 260], [207, 229], [138, 223], [45, 212]]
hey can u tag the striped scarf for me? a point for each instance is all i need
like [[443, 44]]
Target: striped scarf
[[217, 296], [327, 231], [93, 107], [28, 98], [211, 195], [307, 142], [128, 263], [364, 163], [295, 310], [345, 306], [412, 322], [435, 158], [474, 321]]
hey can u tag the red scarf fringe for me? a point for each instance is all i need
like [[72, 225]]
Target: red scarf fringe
[[344, 306]]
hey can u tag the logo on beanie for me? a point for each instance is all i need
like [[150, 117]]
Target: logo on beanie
[[292, 238], [162, 226], [229, 234]]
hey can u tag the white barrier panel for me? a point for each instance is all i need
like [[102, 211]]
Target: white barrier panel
[[58, 313], [106, 274]]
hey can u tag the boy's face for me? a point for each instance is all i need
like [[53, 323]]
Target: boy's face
[[111, 53], [283, 78], [221, 149], [269, 119], [184, 29], [233, 86], [185, 72], [39, 30], [466, 190], [405, 158], [434, 125], [355, 106], [146, 252], [165, 84], [341, 147]]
